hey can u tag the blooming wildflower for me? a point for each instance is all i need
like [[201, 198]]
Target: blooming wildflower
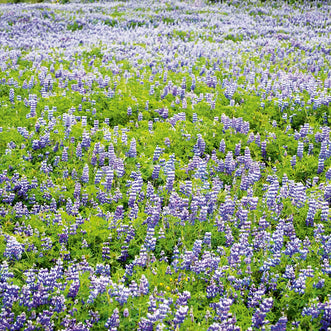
[[14, 249], [85, 174], [114, 321], [180, 315]]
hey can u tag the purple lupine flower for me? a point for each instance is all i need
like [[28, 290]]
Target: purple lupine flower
[[222, 308], [10, 295], [258, 319], [300, 150], [272, 194], [163, 309], [123, 294], [126, 312], [248, 159], [167, 142], [320, 167], [46, 243], [188, 260], [94, 159], [170, 180], [113, 322], [180, 315], [207, 239], [85, 174], [152, 304], [157, 153], [145, 324], [94, 316], [133, 149], [58, 302], [105, 251], [323, 151], [228, 162], [14, 249], [134, 289], [11, 95], [299, 284], [280, 325], [327, 194], [150, 240], [20, 322], [215, 327], [237, 149], [5, 274], [310, 149], [212, 290], [86, 140], [222, 146], [228, 236], [258, 139], [109, 179], [156, 171], [201, 144], [144, 285], [289, 272], [111, 155], [119, 165], [328, 174], [324, 211], [98, 177], [197, 246], [264, 148], [33, 105], [326, 318], [311, 212]]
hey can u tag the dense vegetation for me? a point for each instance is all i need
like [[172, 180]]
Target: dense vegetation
[[165, 165]]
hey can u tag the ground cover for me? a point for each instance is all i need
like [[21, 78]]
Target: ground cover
[[165, 166]]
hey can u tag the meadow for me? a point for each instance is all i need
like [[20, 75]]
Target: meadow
[[165, 165]]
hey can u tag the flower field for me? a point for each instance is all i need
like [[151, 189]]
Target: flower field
[[165, 165]]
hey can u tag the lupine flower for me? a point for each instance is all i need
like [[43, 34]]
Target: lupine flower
[[150, 240], [180, 315], [58, 303], [85, 174], [113, 322], [324, 211], [320, 166], [280, 325], [212, 290], [123, 294], [272, 193], [311, 212], [144, 285], [229, 162], [133, 149], [109, 179], [300, 150], [222, 308], [157, 153], [258, 319], [299, 284], [222, 146], [14, 249]]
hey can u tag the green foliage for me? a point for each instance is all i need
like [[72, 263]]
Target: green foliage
[[111, 22], [74, 27], [234, 37]]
